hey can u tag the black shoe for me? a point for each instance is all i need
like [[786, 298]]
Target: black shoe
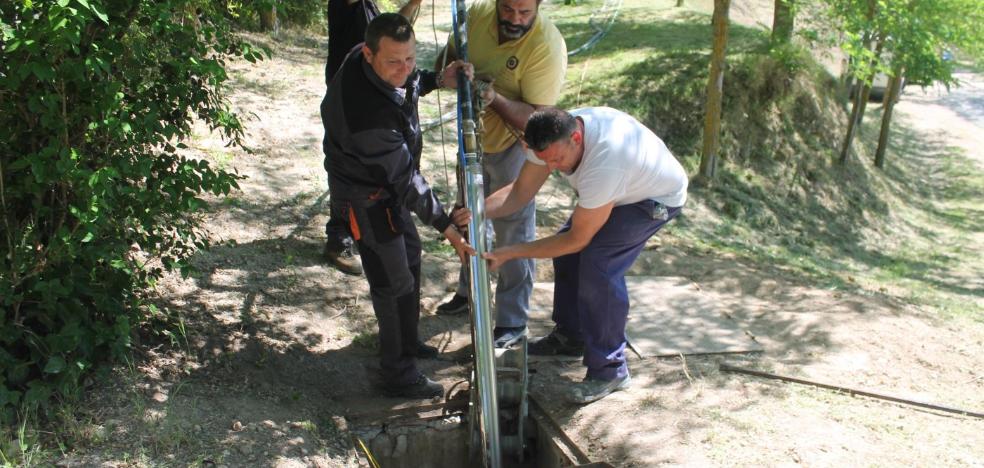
[[456, 306], [345, 259], [505, 337], [425, 351], [420, 388], [556, 344]]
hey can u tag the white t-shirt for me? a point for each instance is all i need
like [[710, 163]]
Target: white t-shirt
[[624, 162]]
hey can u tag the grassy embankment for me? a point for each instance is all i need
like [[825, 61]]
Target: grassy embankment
[[780, 197]]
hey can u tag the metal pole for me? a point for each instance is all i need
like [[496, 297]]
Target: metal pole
[[851, 391], [469, 159]]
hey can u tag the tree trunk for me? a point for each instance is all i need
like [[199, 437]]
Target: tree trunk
[[852, 124], [782, 21], [715, 91], [268, 17], [860, 96], [891, 98], [679, 3], [866, 92]]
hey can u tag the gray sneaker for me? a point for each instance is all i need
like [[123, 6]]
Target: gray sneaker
[[590, 390], [505, 337]]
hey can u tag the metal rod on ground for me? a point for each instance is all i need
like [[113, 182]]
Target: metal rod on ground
[[469, 159], [631, 345], [851, 391]]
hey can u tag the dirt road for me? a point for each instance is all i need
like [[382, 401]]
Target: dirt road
[[955, 116]]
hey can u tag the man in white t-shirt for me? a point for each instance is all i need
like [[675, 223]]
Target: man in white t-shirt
[[628, 186]]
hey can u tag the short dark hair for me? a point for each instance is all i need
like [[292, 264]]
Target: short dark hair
[[547, 126], [389, 25]]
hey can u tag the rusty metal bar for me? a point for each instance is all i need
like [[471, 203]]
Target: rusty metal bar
[[851, 391]]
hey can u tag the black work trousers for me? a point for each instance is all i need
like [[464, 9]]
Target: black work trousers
[[390, 250]]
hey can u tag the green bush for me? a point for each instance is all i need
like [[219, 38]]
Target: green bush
[[97, 199]]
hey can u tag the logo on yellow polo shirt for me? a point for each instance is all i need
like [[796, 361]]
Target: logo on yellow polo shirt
[[512, 62]]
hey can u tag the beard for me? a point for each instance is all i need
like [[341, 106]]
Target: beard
[[514, 31]]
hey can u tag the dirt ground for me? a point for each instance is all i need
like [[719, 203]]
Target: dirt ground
[[277, 348]]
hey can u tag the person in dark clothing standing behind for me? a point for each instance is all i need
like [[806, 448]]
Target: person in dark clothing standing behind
[[347, 22], [372, 145]]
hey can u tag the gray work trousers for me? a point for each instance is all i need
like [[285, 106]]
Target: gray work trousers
[[515, 279]]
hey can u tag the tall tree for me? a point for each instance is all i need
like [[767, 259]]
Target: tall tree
[[918, 33], [860, 93], [913, 34], [783, 18], [861, 60], [715, 92]]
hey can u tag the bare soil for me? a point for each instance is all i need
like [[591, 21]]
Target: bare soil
[[277, 348]]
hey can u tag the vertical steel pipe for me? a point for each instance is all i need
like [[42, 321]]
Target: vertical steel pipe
[[470, 160]]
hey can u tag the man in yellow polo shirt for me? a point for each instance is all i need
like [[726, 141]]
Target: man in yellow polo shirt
[[525, 56]]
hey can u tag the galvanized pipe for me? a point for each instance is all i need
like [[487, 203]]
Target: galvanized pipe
[[469, 159]]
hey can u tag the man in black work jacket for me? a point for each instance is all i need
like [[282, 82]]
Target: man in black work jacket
[[372, 147]]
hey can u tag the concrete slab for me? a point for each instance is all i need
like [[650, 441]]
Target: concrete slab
[[668, 316]]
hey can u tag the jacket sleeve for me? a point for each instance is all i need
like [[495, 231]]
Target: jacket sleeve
[[389, 162], [428, 82]]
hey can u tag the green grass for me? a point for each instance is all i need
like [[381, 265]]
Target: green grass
[[366, 340]]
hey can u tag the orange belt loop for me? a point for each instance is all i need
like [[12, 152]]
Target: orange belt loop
[[389, 217], [353, 225]]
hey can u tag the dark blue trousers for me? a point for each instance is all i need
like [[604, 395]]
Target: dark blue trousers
[[591, 302]]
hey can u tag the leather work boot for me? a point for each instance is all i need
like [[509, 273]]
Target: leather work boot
[[422, 388], [456, 306], [345, 260], [556, 345]]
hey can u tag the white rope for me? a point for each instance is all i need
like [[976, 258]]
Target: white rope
[[440, 120]]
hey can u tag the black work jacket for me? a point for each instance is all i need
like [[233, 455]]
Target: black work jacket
[[373, 141]]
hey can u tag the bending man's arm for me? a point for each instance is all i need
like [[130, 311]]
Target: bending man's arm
[[585, 223], [511, 198]]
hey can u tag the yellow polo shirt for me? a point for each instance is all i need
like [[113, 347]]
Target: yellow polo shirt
[[529, 69]]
